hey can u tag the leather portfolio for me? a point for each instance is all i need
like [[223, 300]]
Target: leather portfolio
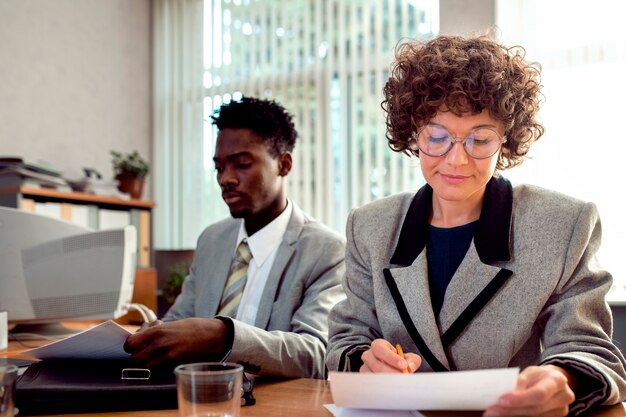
[[75, 386]]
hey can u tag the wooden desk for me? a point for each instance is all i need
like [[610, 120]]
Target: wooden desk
[[297, 398], [306, 398]]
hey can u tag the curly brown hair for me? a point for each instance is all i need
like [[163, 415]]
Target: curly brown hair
[[464, 75]]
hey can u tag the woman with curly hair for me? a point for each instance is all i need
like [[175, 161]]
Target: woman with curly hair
[[472, 272]]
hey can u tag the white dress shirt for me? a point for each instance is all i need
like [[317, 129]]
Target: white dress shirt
[[263, 246]]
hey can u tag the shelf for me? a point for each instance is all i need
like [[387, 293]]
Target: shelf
[[76, 197]]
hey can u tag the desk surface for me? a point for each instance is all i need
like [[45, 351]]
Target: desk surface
[[306, 398], [293, 398]]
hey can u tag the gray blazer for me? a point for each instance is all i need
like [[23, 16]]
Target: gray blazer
[[291, 330], [529, 290]]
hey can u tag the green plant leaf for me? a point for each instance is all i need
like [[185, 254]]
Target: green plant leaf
[[130, 164]]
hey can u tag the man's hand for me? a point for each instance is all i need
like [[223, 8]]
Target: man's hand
[[541, 391], [383, 357], [171, 343], [147, 324]]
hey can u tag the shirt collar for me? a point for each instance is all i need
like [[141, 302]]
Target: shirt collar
[[267, 239], [492, 231]]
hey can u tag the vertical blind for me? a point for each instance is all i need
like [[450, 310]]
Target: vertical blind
[[180, 182], [326, 61]]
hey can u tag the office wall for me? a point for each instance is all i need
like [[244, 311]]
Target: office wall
[[75, 81]]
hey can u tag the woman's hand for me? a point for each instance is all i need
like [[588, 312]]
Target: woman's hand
[[541, 391], [382, 357]]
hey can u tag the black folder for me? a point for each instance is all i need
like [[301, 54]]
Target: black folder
[[76, 386]]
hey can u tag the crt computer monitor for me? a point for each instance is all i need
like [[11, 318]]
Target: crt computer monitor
[[52, 271]]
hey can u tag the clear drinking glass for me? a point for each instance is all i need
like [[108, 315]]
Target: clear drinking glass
[[8, 378], [209, 389]]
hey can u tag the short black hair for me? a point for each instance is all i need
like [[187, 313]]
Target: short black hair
[[266, 118]]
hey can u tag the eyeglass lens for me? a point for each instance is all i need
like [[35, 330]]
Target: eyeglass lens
[[435, 140]]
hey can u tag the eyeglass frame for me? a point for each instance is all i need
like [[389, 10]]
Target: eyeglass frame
[[454, 140]]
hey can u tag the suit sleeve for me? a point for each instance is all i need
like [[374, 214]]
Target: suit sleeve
[[577, 321], [299, 351], [353, 323]]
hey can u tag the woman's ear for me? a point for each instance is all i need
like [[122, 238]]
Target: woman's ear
[[284, 164]]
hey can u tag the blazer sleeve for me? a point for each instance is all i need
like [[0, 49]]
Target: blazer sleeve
[[353, 323], [577, 321], [299, 350]]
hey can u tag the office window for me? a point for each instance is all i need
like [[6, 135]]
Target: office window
[[326, 62], [584, 61]]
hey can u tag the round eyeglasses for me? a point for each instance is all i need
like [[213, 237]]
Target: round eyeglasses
[[481, 143]]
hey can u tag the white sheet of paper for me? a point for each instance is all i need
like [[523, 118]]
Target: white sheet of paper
[[458, 390], [104, 341], [356, 412]]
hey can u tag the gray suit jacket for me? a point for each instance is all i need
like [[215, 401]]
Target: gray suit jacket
[[291, 330], [529, 290]]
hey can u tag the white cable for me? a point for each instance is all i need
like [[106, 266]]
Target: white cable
[[146, 314], [136, 308], [151, 315]]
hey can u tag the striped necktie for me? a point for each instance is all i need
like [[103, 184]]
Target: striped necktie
[[233, 290]]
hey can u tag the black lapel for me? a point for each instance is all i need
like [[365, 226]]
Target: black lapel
[[474, 308], [492, 232], [423, 348], [492, 235], [413, 236]]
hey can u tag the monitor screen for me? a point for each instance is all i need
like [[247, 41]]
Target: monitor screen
[[52, 270]]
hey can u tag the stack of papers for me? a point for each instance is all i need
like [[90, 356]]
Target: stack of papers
[[104, 341], [14, 171], [355, 412], [357, 394]]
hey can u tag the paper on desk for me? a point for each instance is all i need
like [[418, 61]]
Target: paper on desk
[[459, 390], [355, 412], [104, 341]]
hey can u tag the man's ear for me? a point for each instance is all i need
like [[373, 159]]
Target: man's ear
[[284, 164]]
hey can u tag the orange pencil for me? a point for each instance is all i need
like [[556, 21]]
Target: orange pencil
[[401, 353]]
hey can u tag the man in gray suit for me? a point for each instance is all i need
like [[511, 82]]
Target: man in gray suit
[[270, 316]]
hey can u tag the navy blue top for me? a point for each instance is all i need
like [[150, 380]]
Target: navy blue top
[[446, 248]]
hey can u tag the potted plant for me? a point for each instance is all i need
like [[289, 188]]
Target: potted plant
[[130, 171], [174, 282]]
